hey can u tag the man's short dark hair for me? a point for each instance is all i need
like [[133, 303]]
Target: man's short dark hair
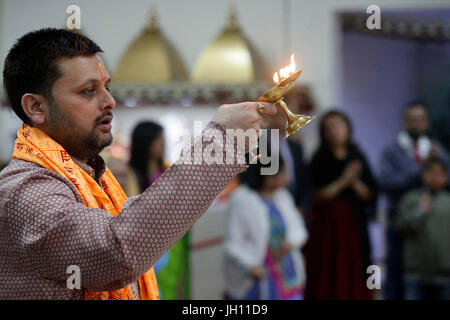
[[434, 161], [413, 104], [31, 65]]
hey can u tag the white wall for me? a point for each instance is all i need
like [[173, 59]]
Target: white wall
[[175, 121]]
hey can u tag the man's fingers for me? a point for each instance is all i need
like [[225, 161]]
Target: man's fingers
[[269, 108], [245, 115], [263, 123]]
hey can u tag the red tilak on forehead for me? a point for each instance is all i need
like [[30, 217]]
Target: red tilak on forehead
[[102, 71]]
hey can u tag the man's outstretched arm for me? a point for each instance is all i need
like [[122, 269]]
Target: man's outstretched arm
[[52, 230]]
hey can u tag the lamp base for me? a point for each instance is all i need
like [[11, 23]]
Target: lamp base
[[294, 126]]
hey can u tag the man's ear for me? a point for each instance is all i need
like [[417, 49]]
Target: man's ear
[[35, 107]]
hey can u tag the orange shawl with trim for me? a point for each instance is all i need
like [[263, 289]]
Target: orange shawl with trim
[[33, 145]]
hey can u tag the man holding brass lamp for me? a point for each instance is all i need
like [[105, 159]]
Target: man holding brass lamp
[[61, 207]]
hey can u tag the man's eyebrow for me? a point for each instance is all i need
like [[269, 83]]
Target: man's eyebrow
[[94, 81]]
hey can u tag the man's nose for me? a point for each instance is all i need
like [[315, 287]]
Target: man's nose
[[109, 102]]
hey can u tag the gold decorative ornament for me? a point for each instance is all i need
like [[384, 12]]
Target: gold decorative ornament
[[260, 108], [230, 58], [151, 58]]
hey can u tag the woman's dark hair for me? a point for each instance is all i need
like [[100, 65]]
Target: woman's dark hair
[[253, 178], [31, 65], [144, 134], [324, 145]]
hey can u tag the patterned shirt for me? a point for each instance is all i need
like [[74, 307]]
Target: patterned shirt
[[45, 227]]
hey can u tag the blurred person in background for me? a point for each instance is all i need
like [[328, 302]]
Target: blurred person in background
[[291, 150], [400, 171], [345, 193], [147, 164], [147, 153], [265, 232], [123, 174], [117, 158], [423, 221]]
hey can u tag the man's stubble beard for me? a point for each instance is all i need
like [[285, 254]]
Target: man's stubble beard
[[73, 139], [415, 134]]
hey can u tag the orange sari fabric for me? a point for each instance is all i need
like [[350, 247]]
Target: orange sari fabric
[[33, 145]]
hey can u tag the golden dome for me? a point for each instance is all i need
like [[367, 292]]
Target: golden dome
[[151, 58], [230, 58]]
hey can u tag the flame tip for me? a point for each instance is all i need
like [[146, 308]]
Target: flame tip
[[286, 71]]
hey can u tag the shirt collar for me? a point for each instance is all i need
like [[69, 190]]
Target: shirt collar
[[406, 143], [95, 167]]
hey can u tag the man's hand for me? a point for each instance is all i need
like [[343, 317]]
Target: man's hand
[[434, 151], [244, 116]]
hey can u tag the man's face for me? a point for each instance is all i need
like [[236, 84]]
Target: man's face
[[80, 116], [416, 121], [435, 178]]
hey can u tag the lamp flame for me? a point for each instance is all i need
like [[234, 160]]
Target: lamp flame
[[275, 77], [285, 72]]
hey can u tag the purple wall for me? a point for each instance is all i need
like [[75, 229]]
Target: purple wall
[[378, 76]]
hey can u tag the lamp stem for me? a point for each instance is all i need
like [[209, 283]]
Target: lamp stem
[[285, 109]]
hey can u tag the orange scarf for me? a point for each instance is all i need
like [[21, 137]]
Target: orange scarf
[[33, 145]]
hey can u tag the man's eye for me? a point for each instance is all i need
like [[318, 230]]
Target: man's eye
[[108, 88], [89, 91]]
